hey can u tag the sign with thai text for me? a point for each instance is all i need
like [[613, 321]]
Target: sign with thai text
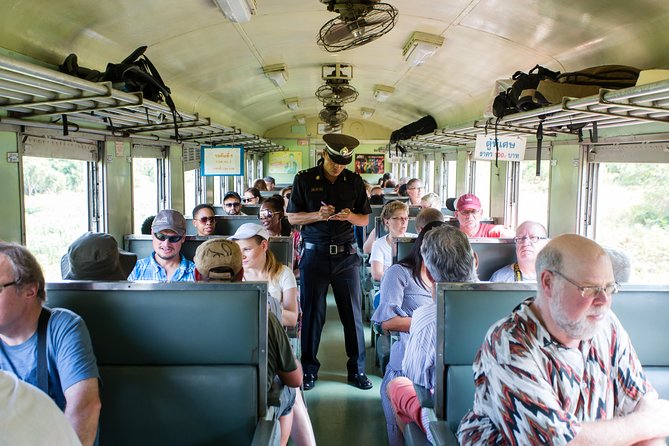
[[221, 160], [511, 148]]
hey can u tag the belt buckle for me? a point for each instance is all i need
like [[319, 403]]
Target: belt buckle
[[333, 250]]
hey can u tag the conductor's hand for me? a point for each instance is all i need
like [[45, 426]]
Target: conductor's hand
[[342, 215], [326, 211]]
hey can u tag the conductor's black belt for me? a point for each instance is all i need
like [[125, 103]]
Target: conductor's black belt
[[333, 250]]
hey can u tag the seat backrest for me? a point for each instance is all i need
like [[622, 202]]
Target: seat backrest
[[181, 363], [467, 311], [251, 209], [493, 253], [371, 223], [228, 224], [404, 245], [282, 247]]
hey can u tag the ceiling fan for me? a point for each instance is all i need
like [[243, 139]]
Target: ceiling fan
[[333, 115], [359, 22], [336, 93]]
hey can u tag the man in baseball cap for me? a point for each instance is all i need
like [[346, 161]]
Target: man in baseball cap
[[232, 203], [468, 211], [166, 263], [218, 259]]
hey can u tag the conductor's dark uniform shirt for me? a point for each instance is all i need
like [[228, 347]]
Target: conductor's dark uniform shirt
[[311, 189]]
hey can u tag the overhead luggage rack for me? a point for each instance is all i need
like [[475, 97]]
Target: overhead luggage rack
[[609, 109], [34, 94]]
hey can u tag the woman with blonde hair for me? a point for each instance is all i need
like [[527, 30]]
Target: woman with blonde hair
[[261, 265], [395, 217]]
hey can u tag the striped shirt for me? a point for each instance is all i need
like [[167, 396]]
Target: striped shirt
[[148, 269], [532, 390]]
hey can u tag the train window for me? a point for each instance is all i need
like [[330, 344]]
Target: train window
[[481, 187], [632, 215], [190, 190], [56, 208], [145, 190], [533, 192]]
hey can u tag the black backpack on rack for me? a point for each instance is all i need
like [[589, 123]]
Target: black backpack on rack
[[135, 73]]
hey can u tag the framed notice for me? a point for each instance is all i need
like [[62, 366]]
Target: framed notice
[[369, 163], [285, 162], [507, 148], [221, 160]]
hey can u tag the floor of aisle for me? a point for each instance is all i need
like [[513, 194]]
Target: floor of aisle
[[340, 413]]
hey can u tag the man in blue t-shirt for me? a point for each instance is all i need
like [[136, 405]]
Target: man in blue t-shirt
[[71, 375]]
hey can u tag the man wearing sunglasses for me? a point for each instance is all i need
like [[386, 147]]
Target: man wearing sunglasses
[[561, 368], [166, 263], [204, 219], [232, 204]]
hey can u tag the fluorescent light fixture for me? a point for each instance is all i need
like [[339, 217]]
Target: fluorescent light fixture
[[366, 113], [277, 73], [237, 10], [300, 119], [292, 103], [420, 47], [382, 92]]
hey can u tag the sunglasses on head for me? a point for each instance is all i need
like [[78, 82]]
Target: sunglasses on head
[[170, 238], [232, 204], [204, 220]]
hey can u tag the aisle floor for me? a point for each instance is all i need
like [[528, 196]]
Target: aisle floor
[[340, 413]]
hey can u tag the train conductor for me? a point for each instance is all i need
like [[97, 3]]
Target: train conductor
[[328, 200]]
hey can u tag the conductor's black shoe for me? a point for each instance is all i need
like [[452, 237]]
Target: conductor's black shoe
[[359, 380], [309, 381]]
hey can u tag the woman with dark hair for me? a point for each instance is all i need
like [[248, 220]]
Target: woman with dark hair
[[273, 218], [252, 196], [405, 287], [260, 185]]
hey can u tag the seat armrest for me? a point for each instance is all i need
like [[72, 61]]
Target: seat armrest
[[414, 436], [424, 396], [267, 433], [441, 433]]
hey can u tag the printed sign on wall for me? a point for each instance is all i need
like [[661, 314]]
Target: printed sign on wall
[[369, 163], [285, 162], [511, 148], [221, 160]]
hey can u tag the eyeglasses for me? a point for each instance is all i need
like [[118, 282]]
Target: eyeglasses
[[204, 220], [231, 204], [246, 200], [402, 219], [265, 214], [590, 292], [2, 287], [415, 188], [170, 238], [468, 211], [530, 238]]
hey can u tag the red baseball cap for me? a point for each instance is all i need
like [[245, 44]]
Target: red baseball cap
[[468, 201]]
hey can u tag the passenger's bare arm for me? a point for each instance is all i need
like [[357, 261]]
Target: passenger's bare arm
[[377, 270], [397, 323], [648, 423], [290, 310], [367, 247], [83, 409], [294, 378]]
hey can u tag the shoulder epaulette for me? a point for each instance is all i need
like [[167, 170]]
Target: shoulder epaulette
[[301, 171]]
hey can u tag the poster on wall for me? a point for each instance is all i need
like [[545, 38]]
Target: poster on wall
[[221, 160], [369, 163], [285, 162]]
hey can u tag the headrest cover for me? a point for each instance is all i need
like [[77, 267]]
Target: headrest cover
[[169, 219], [340, 147], [218, 259]]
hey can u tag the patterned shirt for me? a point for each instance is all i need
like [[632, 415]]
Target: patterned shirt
[[532, 390], [148, 269]]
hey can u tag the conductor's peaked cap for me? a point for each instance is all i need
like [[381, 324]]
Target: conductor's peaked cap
[[340, 147]]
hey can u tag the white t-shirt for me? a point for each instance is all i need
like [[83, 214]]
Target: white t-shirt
[[381, 251], [285, 280], [29, 417]]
